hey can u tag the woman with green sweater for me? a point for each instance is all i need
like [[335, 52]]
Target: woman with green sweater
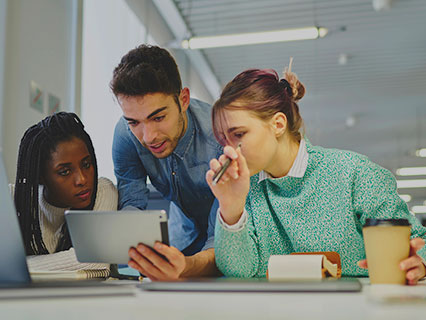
[[281, 194]]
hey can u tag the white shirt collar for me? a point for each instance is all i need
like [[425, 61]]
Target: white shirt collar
[[299, 166]]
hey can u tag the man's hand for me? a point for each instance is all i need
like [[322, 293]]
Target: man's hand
[[413, 265], [157, 268]]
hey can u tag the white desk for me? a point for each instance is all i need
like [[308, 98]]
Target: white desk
[[204, 306]]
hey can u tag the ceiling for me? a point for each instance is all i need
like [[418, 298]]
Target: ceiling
[[375, 104]]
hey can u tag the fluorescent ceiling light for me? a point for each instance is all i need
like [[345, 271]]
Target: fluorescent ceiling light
[[421, 152], [413, 171], [405, 197], [418, 183], [418, 209], [240, 39]]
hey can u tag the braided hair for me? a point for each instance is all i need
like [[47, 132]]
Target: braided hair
[[35, 150]]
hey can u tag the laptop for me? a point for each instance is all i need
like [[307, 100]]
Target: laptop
[[255, 285], [15, 280]]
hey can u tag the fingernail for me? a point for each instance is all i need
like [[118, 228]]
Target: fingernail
[[158, 246], [141, 248], [402, 266]]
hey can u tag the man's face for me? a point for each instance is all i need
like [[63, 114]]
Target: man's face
[[155, 119]]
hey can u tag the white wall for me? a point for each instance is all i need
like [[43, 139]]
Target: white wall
[[37, 47], [3, 13], [110, 29]]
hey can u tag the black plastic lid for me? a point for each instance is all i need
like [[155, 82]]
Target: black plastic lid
[[386, 222]]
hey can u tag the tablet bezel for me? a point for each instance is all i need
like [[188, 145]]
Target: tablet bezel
[[106, 236]]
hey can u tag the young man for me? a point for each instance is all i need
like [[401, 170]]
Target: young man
[[166, 136]]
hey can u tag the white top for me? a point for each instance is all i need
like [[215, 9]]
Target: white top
[[52, 218], [299, 166], [297, 170]]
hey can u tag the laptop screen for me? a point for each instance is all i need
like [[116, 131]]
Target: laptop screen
[[13, 264]]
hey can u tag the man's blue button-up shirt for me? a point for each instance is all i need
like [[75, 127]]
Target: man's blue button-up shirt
[[179, 177]]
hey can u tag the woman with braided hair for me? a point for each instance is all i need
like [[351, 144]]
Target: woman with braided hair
[[57, 171]]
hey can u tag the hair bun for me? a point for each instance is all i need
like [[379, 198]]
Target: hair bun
[[297, 87]]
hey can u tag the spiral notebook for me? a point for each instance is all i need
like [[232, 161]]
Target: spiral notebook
[[64, 266]]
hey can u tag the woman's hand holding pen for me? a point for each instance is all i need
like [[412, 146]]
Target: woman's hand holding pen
[[233, 186]]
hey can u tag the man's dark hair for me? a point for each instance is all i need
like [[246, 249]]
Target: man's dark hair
[[36, 148], [146, 69]]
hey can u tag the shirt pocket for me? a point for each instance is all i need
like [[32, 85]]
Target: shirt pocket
[[198, 183], [161, 184]]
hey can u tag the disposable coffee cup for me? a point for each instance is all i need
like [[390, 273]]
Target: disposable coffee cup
[[387, 243]]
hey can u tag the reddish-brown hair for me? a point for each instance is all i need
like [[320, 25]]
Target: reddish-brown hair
[[262, 93]]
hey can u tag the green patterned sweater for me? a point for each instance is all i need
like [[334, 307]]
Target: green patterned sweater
[[322, 211]]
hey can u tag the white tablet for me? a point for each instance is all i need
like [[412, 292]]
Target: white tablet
[[106, 236]]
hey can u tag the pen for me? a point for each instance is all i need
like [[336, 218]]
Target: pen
[[222, 169]]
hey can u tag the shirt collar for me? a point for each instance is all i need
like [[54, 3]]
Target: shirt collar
[[185, 142], [299, 166]]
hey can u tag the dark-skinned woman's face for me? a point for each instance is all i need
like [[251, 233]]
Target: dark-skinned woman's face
[[69, 175]]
